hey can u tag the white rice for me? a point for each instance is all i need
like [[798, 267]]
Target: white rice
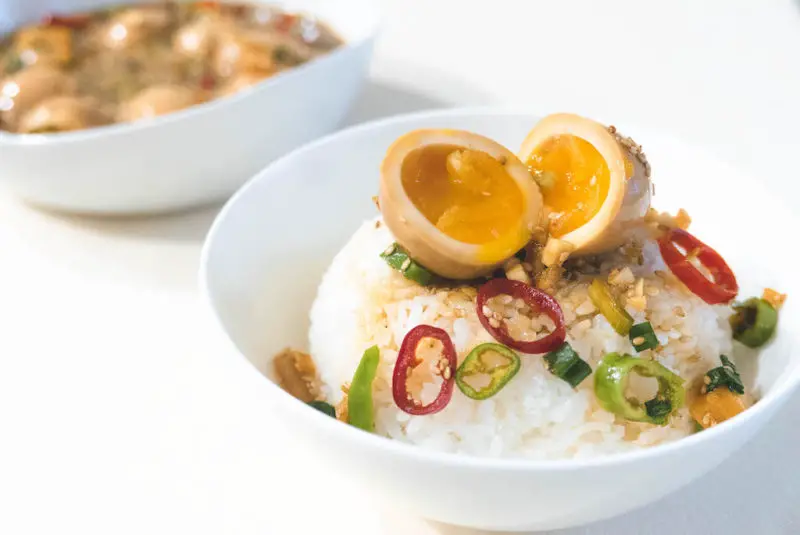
[[362, 302]]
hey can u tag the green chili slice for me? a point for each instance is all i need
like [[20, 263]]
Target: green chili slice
[[399, 259], [565, 364], [643, 337], [499, 374], [359, 397], [754, 322], [611, 380], [324, 407], [724, 376], [609, 307]]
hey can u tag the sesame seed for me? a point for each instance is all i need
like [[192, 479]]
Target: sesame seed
[[494, 323], [446, 374], [389, 250], [486, 310], [639, 340], [707, 380], [405, 265]]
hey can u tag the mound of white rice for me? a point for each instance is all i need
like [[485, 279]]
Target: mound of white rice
[[363, 302]]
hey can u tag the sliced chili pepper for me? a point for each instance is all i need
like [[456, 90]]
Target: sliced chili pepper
[[611, 380], [75, 21], [754, 322], [534, 298], [720, 289], [407, 360], [359, 396], [499, 374], [609, 307]]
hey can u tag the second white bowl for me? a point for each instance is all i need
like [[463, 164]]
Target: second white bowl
[[196, 155]]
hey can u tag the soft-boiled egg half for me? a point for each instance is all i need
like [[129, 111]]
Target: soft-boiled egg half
[[595, 183], [460, 203]]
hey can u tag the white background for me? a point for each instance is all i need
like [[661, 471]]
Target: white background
[[116, 415]]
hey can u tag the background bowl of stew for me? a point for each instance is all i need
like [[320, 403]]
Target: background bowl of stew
[[197, 154]]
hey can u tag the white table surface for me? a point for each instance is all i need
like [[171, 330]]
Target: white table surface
[[116, 415]]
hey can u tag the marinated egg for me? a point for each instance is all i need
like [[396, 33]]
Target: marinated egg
[[459, 203], [594, 182]]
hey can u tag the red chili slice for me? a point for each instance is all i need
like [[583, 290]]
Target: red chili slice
[[407, 360], [534, 298], [67, 21], [722, 287]]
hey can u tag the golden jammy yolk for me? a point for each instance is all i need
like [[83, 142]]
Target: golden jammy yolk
[[467, 194], [574, 180]]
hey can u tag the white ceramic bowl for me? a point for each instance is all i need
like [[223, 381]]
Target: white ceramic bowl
[[196, 155], [272, 242]]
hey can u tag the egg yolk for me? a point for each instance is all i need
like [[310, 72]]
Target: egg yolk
[[467, 194], [574, 179]]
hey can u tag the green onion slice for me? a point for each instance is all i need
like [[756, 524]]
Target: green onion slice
[[611, 380], [324, 407], [643, 337], [725, 375], [754, 322], [609, 307], [501, 369], [359, 397], [399, 259], [565, 364]]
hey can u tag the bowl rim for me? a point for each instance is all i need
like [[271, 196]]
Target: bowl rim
[[756, 415], [210, 106]]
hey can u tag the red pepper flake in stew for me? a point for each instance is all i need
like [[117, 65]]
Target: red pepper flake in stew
[[534, 298], [285, 22], [720, 288], [75, 22], [407, 360]]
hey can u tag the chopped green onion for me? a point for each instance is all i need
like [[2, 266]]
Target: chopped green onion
[[565, 364], [359, 397], [611, 381], [754, 322], [499, 373], [658, 408], [609, 307], [697, 427], [399, 259], [324, 407], [643, 337], [725, 375]]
